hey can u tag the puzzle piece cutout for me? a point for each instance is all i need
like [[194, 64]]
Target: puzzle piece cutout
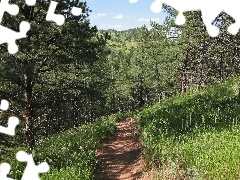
[[12, 9], [9, 36], [59, 19], [51, 16], [31, 171], [210, 10], [12, 124], [30, 2], [76, 11], [4, 171], [12, 121], [4, 105]]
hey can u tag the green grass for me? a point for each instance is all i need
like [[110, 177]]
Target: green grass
[[71, 154], [198, 132]]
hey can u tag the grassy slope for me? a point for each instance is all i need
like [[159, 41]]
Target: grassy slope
[[71, 154], [198, 133]]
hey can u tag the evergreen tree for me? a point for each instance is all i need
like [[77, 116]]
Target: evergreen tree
[[41, 78]]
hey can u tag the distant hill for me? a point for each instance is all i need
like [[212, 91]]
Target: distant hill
[[129, 34]]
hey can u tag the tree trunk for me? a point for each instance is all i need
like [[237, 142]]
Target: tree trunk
[[28, 113], [29, 131]]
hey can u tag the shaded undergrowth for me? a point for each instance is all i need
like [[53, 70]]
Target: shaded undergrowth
[[70, 154]]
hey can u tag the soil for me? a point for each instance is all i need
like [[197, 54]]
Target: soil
[[120, 156]]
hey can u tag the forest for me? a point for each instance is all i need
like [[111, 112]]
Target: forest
[[70, 77]]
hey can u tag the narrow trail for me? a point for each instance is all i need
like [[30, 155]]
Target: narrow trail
[[120, 156]]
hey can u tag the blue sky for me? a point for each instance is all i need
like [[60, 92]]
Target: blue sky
[[121, 14]]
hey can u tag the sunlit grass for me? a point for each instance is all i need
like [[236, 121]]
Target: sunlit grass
[[199, 132]]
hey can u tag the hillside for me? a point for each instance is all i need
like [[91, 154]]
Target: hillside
[[190, 136], [195, 135], [70, 85]]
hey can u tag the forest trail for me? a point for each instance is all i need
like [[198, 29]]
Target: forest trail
[[120, 156]]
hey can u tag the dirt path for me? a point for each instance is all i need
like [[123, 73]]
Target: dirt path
[[120, 156]]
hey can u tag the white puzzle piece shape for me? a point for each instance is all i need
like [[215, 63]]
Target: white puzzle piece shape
[[51, 16], [76, 11], [59, 19], [4, 171], [9, 36], [12, 9], [210, 10], [31, 171], [4, 105], [30, 2], [12, 124]]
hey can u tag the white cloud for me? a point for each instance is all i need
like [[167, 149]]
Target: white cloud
[[101, 14], [148, 20], [143, 19], [133, 1], [128, 17], [119, 16]]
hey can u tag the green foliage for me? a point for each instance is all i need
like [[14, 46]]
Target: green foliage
[[70, 154], [142, 66], [54, 76], [197, 131]]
